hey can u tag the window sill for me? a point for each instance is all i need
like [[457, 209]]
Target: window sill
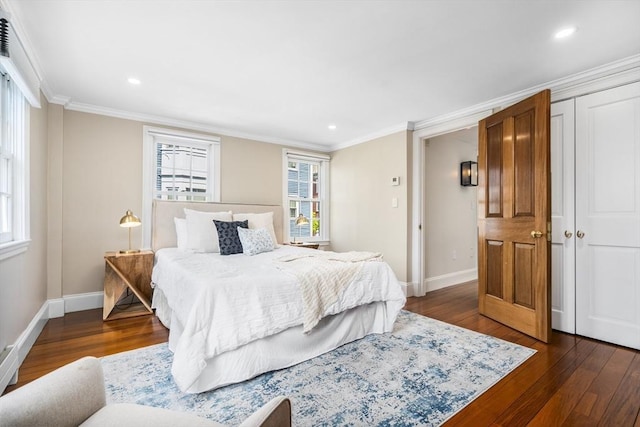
[[11, 249], [311, 241]]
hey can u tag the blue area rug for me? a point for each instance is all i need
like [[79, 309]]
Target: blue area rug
[[421, 374]]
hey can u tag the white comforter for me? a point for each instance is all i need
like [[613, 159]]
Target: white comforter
[[224, 302]]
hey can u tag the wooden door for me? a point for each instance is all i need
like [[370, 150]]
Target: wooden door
[[563, 297], [608, 215], [514, 217]]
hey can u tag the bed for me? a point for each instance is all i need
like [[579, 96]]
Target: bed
[[233, 317]]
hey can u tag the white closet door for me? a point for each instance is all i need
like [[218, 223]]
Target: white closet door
[[608, 215], [563, 302]]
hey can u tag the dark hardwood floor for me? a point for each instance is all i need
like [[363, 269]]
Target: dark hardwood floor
[[572, 381]]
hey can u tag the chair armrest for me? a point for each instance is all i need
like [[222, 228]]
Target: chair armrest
[[65, 397], [275, 413]]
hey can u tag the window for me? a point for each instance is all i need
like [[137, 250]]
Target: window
[[306, 193], [178, 166], [14, 231], [182, 172]]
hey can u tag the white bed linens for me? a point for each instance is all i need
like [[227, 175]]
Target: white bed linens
[[225, 302], [322, 278]]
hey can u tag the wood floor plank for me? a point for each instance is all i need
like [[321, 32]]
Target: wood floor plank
[[625, 405], [562, 403], [524, 409], [595, 400]]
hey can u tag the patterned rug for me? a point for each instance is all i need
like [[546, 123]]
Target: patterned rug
[[421, 374]]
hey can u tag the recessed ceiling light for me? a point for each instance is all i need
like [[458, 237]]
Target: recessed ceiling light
[[565, 32], [332, 127], [133, 81]]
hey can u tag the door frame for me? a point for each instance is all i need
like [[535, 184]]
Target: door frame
[[596, 79]]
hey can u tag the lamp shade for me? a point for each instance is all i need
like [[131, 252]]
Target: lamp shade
[[301, 220], [469, 174], [129, 220]]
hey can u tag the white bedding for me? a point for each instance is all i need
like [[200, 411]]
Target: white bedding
[[225, 302]]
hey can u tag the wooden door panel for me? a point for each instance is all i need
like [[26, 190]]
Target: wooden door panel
[[494, 268], [524, 185], [514, 200], [494, 171], [523, 271]]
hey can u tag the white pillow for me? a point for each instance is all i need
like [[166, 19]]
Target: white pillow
[[259, 220], [202, 235], [255, 241], [181, 233]]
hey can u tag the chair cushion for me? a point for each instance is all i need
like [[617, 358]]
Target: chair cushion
[[64, 397], [124, 414]]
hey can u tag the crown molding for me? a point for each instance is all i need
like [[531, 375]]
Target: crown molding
[[404, 126], [23, 38], [165, 121], [626, 70]]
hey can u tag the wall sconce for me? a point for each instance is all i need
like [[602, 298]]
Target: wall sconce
[[469, 174]]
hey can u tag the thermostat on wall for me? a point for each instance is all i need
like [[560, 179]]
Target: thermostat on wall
[[395, 180]]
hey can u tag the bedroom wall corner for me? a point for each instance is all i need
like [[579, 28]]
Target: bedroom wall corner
[[367, 211], [55, 119]]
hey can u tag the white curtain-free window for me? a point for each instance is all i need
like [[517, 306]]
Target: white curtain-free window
[[306, 192], [14, 114], [180, 166]]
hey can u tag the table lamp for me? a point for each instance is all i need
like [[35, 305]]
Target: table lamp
[[129, 220], [300, 221]]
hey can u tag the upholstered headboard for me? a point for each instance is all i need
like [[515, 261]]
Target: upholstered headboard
[[163, 234]]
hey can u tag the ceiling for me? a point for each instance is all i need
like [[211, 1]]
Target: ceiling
[[282, 71]]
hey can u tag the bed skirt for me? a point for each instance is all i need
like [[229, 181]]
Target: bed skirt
[[278, 351]]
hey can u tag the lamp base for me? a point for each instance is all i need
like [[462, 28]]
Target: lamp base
[[129, 251]]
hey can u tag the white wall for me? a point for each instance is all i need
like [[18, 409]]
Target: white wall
[[362, 215], [450, 219]]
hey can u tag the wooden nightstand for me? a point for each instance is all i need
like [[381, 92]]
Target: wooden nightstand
[[304, 245], [125, 274]]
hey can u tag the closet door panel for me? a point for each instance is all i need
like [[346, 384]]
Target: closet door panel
[[563, 317], [608, 215]]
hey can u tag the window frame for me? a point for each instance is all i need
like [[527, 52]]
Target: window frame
[[14, 147], [154, 135], [324, 162]]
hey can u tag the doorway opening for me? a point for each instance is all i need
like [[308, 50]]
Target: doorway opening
[[449, 213]]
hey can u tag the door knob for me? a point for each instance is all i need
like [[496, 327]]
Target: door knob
[[568, 234], [536, 234], [580, 234]]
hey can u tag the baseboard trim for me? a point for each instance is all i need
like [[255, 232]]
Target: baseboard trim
[[15, 354], [8, 367], [450, 279], [81, 302], [56, 308], [30, 335], [407, 288]]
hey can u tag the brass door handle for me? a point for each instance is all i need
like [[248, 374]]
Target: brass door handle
[[568, 234], [536, 234], [580, 234]]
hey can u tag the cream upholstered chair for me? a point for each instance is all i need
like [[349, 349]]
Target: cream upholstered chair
[[74, 395]]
